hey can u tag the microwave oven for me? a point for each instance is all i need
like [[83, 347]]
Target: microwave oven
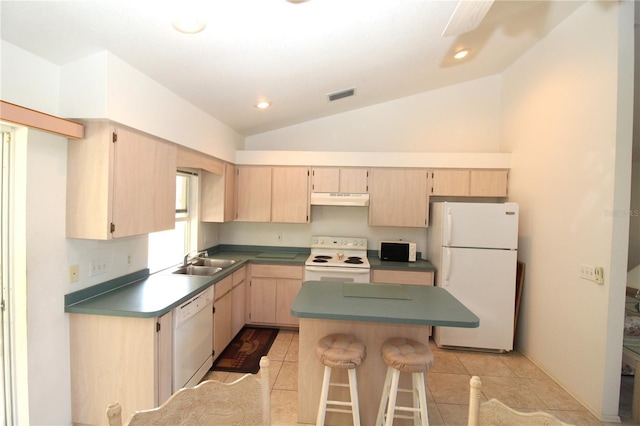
[[397, 251]]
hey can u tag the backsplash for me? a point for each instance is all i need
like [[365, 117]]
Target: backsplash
[[325, 220]]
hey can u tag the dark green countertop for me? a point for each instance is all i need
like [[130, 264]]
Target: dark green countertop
[[384, 303], [145, 295]]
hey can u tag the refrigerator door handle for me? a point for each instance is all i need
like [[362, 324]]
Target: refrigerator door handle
[[449, 227], [447, 266]]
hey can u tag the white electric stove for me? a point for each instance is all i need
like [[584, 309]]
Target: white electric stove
[[341, 259]]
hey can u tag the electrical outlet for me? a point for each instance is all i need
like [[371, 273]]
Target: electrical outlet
[[99, 266], [74, 273], [599, 275], [592, 273], [129, 259], [279, 237]]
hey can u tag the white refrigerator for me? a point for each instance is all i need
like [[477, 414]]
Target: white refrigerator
[[474, 249]]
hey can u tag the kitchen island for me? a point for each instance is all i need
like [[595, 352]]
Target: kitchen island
[[372, 313]]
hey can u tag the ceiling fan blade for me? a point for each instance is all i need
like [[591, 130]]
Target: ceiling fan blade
[[467, 16]]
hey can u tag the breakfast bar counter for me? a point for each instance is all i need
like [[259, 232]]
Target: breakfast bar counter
[[372, 313]]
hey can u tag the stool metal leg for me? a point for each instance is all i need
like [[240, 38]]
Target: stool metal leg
[[384, 398], [393, 394], [323, 396], [353, 392]]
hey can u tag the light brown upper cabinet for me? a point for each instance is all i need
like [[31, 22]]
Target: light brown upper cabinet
[[217, 195], [488, 183], [120, 182], [398, 197], [272, 194], [469, 183], [347, 180], [253, 194], [290, 194], [450, 182]]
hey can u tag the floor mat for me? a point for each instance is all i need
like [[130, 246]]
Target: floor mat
[[243, 354]]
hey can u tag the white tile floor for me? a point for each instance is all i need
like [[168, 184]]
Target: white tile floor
[[511, 378]]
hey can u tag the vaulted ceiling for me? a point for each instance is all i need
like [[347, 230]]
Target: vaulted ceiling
[[291, 54]]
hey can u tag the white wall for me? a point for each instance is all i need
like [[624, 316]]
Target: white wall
[[48, 339], [570, 171], [32, 82], [104, 86], [26, 79], [460, 118]]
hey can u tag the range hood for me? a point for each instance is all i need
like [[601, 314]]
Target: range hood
[[338, 199]]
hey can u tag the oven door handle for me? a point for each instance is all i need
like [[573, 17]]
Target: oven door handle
[[336, 269]]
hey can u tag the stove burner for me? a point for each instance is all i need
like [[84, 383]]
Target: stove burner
[[354, 260], [323, 257], [320, 260]]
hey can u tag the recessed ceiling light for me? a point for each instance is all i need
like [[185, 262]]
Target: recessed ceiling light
[[461, 53], [189, 25], [263, 105]]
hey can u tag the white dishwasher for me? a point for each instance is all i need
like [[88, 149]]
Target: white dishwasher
[[192, 339]]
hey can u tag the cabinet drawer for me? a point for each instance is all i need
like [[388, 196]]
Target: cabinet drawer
[[238, 276], [277, 271], [401, 277]]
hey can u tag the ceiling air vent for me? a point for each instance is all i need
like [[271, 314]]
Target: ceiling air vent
[[341, 94]]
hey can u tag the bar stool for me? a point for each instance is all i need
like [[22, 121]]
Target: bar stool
[[346, 352], [404, 356]]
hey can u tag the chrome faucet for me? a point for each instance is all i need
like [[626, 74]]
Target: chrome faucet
[[188, 260]]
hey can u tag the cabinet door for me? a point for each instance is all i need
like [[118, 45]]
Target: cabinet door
[[164, 333], [217, 195], [290, 195], [286, 292], [238, 301], [222, 315], [144, 184], [345, 180], [229, 192], [354, 180], [450, 182], [222, 324], [325, 179], [398, 197], [263, 300], [253, 194], [488, 183]]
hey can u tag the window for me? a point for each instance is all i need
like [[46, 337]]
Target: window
[[167, 248]]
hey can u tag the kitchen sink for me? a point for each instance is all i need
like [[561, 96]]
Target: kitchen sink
[[197, 270], [213, 262]]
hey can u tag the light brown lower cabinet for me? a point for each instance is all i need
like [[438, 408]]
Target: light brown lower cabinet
[[386, 276], [222, 315], [272, 289], [238, 301], [122, 359]]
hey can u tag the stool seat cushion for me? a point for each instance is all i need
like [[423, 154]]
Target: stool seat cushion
[[340, 351], [407, 355]]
